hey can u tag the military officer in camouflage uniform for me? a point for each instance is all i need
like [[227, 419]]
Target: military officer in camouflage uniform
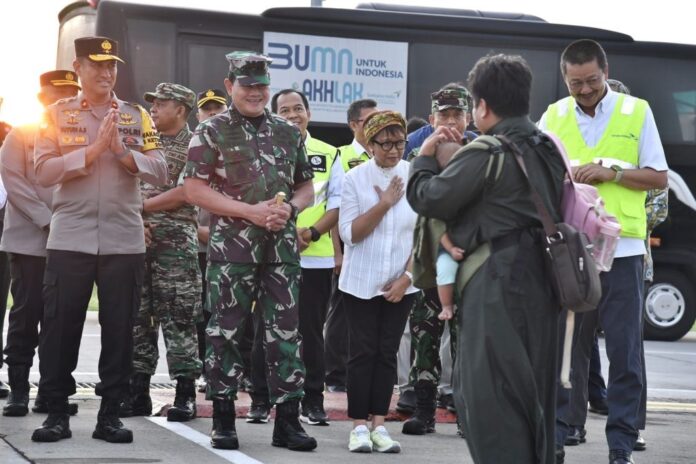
[[238, 162], [171, 291], [96, 149], [449, 108]]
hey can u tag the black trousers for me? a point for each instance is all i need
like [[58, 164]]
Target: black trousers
[[4, 290], [336, 338], [27, 308], [68, 282], [315, 291], [375, 327], [620, 316]]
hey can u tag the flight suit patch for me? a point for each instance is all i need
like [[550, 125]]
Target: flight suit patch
[[318, 163]]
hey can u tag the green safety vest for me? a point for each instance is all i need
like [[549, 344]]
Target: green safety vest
[[350, 158], [321, 157], [618, 146]]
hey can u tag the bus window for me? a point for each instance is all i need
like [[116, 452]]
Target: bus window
[[672, 95], [453, 63]]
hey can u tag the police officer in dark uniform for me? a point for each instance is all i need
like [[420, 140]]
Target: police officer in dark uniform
[[96, 149]]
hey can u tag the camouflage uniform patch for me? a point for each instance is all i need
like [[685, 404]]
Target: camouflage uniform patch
[[656, 209], [426, 332], [232, 289], [172, 286]]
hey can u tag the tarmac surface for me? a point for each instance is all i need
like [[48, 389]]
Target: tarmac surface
[[669, 433]]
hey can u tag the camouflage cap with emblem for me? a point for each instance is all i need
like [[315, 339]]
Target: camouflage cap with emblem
[[58, 78], [170, 91], [249, 68], [214, 95], [450, 98], [97, 49]]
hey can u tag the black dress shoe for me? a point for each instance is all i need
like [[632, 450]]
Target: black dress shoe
[[640, 444], [620, 457], [576, 436], [599, 407]]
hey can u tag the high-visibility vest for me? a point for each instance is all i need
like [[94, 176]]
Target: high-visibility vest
[[321, 157], [350, 158], [618, 146]]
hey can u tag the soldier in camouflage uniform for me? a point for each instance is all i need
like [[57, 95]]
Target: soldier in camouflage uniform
[[172, 285], [238, 161], [449, 108]]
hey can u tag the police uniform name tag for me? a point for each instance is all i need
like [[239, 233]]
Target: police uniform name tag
[[318, 163]]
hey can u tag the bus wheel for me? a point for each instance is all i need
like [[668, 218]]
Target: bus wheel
[[670, 306]]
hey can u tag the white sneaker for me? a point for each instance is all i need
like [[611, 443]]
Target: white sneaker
[[360, 440], [382, 442]]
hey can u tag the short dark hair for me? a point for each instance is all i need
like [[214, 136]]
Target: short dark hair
[[415, 123], [357, 106], [187, 110], [504, 81], [583, 51], [274, 100]]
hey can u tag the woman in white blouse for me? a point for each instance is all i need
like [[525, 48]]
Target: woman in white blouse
[[376, 223]]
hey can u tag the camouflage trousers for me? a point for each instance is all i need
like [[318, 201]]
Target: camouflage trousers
[[426, 332], [233, 288], [171, 298]]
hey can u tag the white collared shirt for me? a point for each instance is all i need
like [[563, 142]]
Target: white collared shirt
[[381, 256], [359, 149], [650, 151]]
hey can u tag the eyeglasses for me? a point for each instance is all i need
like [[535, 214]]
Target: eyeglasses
[[388, 145], [592, 82]]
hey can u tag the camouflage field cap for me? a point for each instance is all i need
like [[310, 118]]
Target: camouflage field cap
[[58, 78], [618, 86], [451, 98], [97, 49], [379, 120], [170, 91], [249, 68], [215, 95]]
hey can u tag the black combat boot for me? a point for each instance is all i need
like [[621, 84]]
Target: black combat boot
[[184, 408], [423, 419], [4, 390], [224, 433], [109, 427], [18, 400], [287, 431], [41, 407], [57, 424], [138, 401]]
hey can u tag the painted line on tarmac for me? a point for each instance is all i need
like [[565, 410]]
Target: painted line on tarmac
[[236, 457], [671, 406]]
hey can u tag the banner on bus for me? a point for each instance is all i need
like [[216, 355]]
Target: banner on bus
[[333, 71]]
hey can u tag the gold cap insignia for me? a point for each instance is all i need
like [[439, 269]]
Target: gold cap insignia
[[69, 76], [106, 46], [209, 93]]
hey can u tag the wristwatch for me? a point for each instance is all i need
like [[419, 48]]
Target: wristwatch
[[316, 235], [294, 210], [619, 173]]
